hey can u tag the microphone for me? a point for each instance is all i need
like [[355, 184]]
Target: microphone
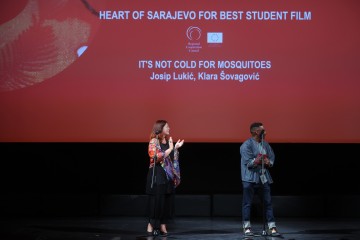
[[262, 133]]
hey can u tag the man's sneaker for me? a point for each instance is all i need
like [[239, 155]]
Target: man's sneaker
[[274, 232], [248, 232]]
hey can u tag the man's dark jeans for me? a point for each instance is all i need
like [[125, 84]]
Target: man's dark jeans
[[249, 189]]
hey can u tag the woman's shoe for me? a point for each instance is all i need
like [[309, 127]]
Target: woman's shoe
[[164, 234], [151, 232]]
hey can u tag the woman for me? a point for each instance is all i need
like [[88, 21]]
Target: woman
[[163, 177]]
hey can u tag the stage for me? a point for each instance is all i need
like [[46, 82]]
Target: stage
[[120, 228], [86, 85]]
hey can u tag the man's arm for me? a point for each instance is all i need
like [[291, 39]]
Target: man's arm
[[270, 155], [247, 155]]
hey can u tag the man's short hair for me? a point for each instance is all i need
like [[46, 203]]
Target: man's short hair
[[254, 126]]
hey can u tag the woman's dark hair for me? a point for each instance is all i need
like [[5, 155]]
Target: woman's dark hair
[[158, 128]]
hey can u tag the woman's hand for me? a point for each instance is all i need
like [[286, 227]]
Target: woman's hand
[[179, 144]]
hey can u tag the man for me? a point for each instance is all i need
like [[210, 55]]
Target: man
[[257, 157]]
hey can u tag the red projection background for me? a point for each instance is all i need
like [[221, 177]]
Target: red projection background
[[104, 71]]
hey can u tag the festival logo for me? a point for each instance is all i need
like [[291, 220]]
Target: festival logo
[[193, 35]]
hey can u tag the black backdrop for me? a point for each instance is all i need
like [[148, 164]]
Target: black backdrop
[[207, 168]]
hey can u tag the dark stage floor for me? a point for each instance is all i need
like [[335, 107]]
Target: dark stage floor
[[119, 228]]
